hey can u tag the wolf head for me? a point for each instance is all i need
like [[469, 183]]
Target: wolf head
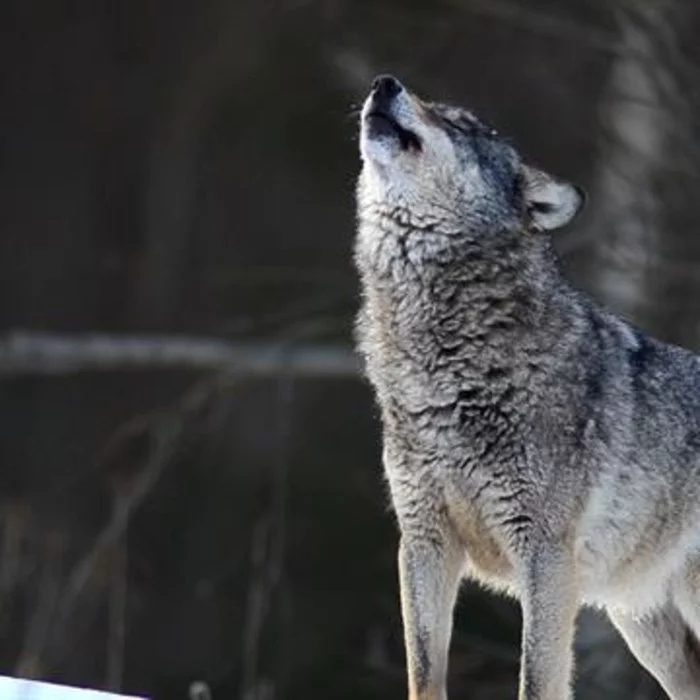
[[434, 165]]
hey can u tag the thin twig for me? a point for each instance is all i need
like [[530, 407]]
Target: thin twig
[[15, 524], [31, 661], [541, 23], [268, 551], [117, 615]]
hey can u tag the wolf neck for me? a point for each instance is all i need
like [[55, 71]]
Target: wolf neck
[[458, 298]]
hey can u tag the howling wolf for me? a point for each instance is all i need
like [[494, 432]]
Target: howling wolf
[[531, 440]]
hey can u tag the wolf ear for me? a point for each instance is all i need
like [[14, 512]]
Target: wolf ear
[[550, 203]]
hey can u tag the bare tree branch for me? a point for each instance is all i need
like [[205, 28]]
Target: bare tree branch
[[168, 436], [29, 353]]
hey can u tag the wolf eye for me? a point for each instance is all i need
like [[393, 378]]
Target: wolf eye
[[460, 125]]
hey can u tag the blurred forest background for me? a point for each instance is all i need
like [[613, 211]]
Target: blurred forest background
[[190, 482]]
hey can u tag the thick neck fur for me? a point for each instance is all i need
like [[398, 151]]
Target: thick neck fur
[[457, 298]]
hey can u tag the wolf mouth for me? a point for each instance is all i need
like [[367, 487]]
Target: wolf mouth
[[381, 124]]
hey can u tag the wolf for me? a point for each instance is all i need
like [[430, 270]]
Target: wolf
[[532, 440]]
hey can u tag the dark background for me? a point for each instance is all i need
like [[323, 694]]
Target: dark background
[[184, 171]]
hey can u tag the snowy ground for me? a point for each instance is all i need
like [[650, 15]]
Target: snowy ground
[[20, 689]]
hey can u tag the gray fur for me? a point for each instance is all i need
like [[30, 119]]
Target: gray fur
[[532, 440]]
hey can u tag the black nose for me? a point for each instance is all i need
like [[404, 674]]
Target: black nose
[[385, 87]]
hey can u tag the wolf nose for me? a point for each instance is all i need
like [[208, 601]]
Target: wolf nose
[[386, 87]]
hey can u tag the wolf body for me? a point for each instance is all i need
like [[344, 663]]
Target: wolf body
[[532, 440]]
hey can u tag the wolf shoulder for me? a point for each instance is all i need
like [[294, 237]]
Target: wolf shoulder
[[656, 385]]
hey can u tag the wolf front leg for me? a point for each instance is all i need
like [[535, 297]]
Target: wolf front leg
[[429, 574], [549, 602]]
